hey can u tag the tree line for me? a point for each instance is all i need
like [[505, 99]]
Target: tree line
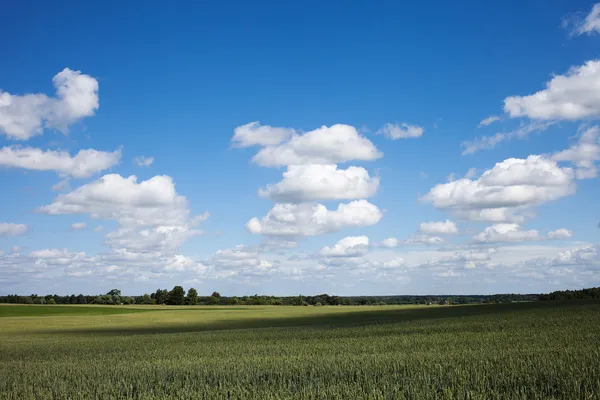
[[178, 296], [590, 293]]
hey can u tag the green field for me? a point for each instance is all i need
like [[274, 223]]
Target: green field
[[542, 350]]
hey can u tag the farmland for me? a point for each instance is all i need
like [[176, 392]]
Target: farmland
[[534, 350]]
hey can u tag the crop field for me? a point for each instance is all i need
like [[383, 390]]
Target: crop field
[[541, 350]]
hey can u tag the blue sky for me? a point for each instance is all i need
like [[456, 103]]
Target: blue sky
[[376, 108]]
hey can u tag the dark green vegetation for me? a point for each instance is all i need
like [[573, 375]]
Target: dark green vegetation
[[177, 296], [536, 350]]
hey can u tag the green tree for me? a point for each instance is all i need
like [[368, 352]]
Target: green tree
[[192, 297], [176, 297], [161, 296], [114, 292], [146, 299], [216, 294], [51, 301]]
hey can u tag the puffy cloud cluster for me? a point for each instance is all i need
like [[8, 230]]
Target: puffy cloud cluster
[[506, 233], [84, 164], [307, 219], [402, 131], [10, 229], [572, 96], [351, 246], [585, 154], [304, 183], [240, 260], [499, 233], [499, 194], [561, 233], [325, 145], [23, 116], [150, 213], [312, 175]]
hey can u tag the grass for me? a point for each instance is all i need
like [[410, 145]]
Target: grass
[[517, 351], [9, 310]]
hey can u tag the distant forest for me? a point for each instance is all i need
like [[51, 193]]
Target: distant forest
[[178, 296]]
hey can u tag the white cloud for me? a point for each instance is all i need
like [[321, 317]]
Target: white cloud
[[489, 142], [143, 161], [471, 173], [325, 145], [488, 121], [302, 183], [560, 234], [584, 155], [84, 164], [306, 219], [99, 228], [428, 240], [572, 96], [438, 227], [510, 186], [254, 134], [402, 131], [391, 242], [64, 184], [240, 260], [24, 116], [77, 226], [591, 23], [506, 233], [150, 214], [10, 229], [351, 246]]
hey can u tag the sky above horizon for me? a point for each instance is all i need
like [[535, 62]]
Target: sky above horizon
[[299, 147]]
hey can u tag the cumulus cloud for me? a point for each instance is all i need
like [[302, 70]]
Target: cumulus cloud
[[585, 154], [143, 161], [391, 242], [151, 215], [306, 219], [560, 234], [84, 164], [572, 96], [402, 131], [509, 187], [78, 226], [24, 116], [240, 260], [351, 246], [255, 134], [303, 183], [506, 233], [488, 121], [10, 229], [438, 227], [325, 145]]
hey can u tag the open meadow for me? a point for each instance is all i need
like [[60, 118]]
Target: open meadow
[[537, 350]]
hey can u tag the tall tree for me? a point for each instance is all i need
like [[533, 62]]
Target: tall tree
[[192, 297], [161, 296], [176, 297]]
